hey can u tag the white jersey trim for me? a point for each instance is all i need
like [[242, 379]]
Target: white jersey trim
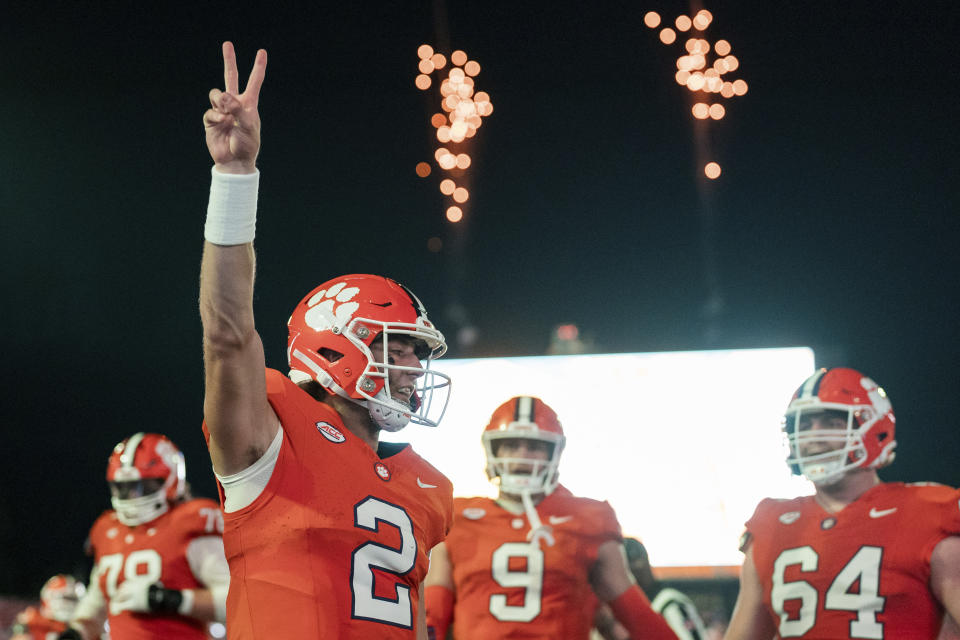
[[242, 488]]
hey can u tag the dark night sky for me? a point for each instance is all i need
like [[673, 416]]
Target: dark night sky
[[834, 224]]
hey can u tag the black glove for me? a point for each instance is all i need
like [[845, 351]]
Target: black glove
[[70, 634], [161, 600]]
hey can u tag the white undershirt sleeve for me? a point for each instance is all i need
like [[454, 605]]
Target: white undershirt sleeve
[[209, 566], [242, 488]]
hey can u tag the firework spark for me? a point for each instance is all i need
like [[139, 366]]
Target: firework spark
[[462, 112], [702, 69]]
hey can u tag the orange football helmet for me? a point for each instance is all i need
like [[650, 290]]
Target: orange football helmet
[[146, 472], [867, 440], [524, 417], [59, 597], [330, 336]]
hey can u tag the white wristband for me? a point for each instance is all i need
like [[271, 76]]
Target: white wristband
[[232, 211], [186, 604]]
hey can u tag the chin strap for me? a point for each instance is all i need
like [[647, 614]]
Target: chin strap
[[537, 529]]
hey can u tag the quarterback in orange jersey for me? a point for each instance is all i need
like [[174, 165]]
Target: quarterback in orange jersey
[[58, 599], [860, 558], [159, 568], [528, 564], [327, 530]]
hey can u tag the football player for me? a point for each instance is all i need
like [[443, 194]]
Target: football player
[[860, 558], [159, 567], [327, 529], [58, 599], [529, 563]]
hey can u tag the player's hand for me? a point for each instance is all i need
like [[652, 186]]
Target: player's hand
[[131, 595], [233, 123]]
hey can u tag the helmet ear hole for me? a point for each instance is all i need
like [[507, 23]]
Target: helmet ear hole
[[329, 355]]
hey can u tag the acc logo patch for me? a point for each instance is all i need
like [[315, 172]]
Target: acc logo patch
[[789, 517], [330, 432], [382, 472], [474, 513]]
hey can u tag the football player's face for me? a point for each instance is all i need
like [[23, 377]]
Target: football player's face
[[401, 351], [522, 448], [821, 421]]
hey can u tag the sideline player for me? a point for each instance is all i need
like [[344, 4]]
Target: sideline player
[[499, 575], [327, 530], [861, 558], [58, 599], [159, 567]]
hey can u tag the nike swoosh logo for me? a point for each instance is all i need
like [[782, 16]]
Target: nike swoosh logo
[[874, 513], [424, 485], [560, 519]]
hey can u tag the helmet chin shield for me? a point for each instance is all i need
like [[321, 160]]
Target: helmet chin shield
[[134, 511]]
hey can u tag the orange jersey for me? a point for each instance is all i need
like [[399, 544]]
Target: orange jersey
[[30, 622], [863, 572], [337, 544], [507, 588], [157, 549]]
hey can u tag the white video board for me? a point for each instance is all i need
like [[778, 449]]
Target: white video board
[[682, 444]]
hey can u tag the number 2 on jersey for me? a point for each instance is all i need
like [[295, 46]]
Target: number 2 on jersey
[[368, 514], [530, 578], [862, 570]]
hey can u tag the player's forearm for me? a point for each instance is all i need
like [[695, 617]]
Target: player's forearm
[[226, 298], [204, 607]]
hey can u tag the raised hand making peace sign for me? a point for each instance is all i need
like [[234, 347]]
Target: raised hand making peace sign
[[233, 123]]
